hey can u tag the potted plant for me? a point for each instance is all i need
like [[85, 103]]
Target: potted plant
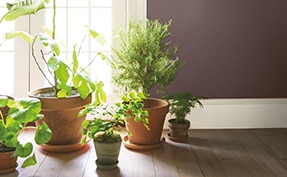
[[104, 131], [180, 107], [108, 121], [146, 58], [21, 112], [70, 89]]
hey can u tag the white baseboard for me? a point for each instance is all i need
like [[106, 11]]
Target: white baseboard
[[239, 113]]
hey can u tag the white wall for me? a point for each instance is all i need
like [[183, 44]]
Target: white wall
[[239, 113]]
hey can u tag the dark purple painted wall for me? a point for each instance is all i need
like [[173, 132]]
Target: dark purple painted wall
[[232, 48]]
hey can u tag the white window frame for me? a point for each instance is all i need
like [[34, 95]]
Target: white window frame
[[24, 70]]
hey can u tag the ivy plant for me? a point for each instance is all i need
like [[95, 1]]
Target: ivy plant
[[132, 105], [21, 112], [104, 127]]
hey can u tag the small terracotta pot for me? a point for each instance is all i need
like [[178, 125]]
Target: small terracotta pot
[[8, 162], [61, 115]]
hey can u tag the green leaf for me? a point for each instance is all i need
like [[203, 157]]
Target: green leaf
[[11, 139], [93, 33], [43, 134], [48, 41], [3, 130], [29, 161], [22, 8], [100, 94], [3, 101], [14, 34], [63, 73], [53, 63], [75, 60], [24, 151], [26, 110], [62, 93]]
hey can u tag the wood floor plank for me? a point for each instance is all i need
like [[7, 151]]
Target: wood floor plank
[[40, 154], [209, 163], [206, 153], [136, 163], [185, 159], [164, 162], [256, 157], [75, 163], [276, 141], [223, 147]]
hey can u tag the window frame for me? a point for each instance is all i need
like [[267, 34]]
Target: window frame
[[26, 74]]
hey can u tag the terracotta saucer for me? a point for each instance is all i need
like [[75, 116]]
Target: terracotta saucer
[[64, 148], [176, 138], [142, 147], [8, 170]]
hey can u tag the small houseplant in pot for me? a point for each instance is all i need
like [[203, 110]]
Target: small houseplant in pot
[[146, 58], [104, 131], [71, 88], [180, 106], [21, 112], [107, 124]]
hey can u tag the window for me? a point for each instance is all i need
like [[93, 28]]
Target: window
[[17, 68]]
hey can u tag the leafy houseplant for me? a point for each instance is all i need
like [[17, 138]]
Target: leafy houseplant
[[146, 58], [71, 88], [103, 129], [180, 107], [20, 113]]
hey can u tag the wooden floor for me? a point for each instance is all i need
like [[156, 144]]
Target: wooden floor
[[206, 153]]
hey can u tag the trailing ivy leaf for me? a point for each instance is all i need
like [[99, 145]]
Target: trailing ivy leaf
[[3, 101], [11, 139], [3, 130], [13, 125], [26, 110], [30, 161], [24, 151], [43, 134]]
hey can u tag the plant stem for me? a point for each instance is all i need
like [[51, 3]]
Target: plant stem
[[53, 37]]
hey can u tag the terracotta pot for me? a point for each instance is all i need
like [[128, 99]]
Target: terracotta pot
[[61, 115], [8, 162], [178, 130], [157, 109], [107, 154]]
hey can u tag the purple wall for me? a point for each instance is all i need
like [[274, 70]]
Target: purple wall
[[232, 48]]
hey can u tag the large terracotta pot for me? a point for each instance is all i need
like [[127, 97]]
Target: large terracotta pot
[[157, 109], [61, 115], [8, 162]]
